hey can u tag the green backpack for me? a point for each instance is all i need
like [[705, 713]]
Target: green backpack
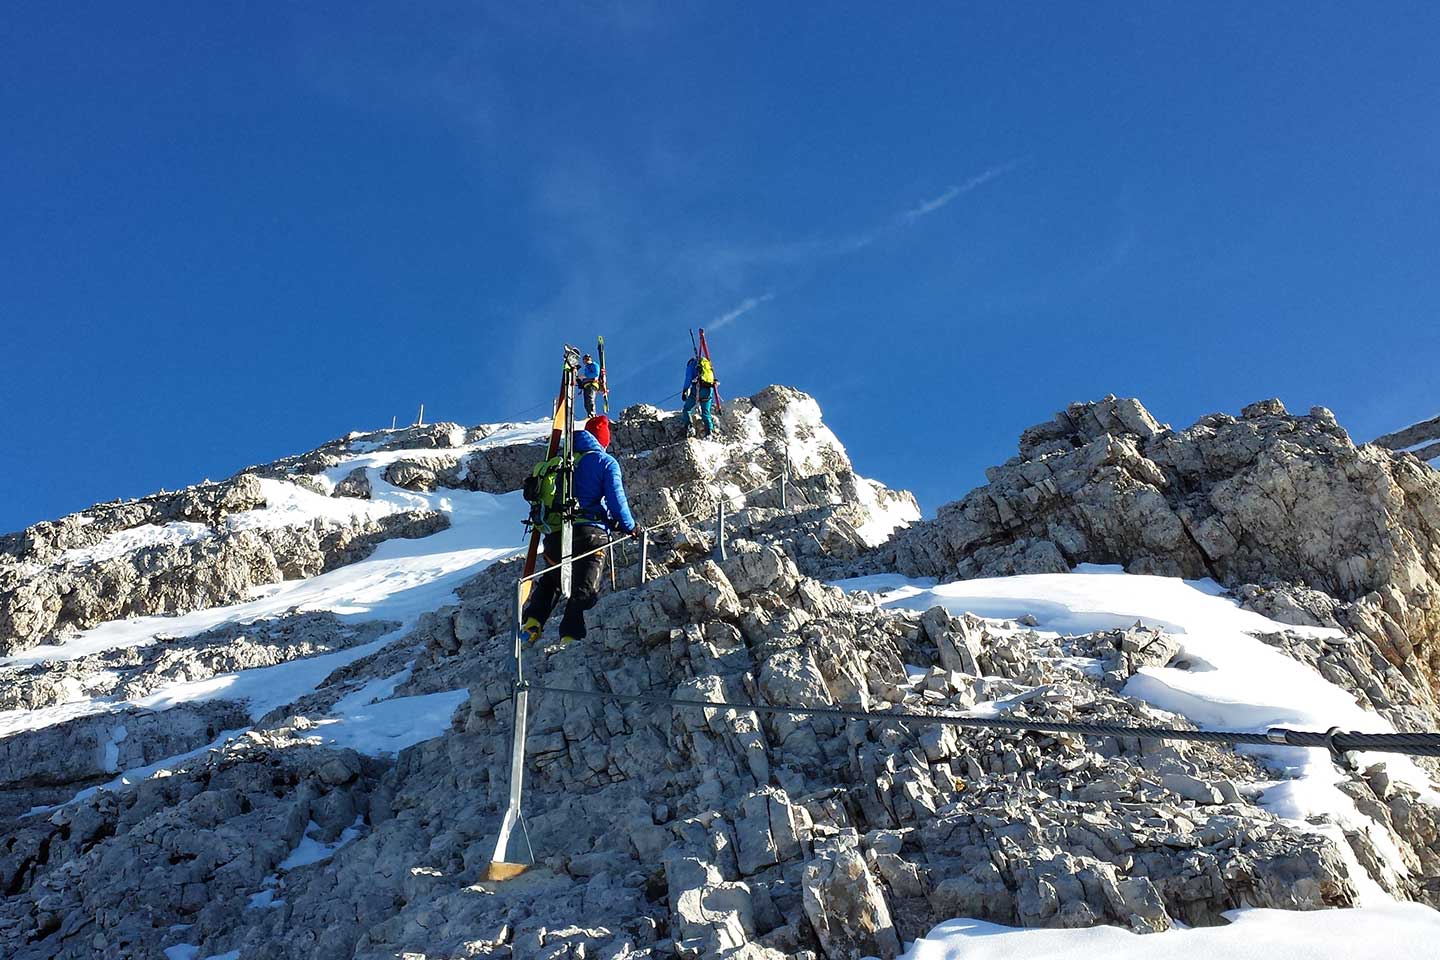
[[548, 507]]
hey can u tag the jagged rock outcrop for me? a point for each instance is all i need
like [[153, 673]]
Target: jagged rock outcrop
[[207, 503], [73, 573], [40, 600], [84, 745], [134, 671], [670, 477], [48, 765], [199, 548], [710, 833], [1264, 498], [103, 877], [661, 832]]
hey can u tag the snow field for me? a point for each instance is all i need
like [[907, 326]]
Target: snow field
[[400, 581], [1383, 932]]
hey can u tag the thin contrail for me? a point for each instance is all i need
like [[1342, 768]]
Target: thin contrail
[[959, 190], [748, 304]]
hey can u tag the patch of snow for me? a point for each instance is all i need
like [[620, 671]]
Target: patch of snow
[[162, 768], [1381, 932], [389, 726], [264, 900], [748, 432], [372, 460], [380, 688], [806, 437], [290, 505], [261, 688], [309, 850], [884, 520], [182, 951], [1089, 599], [891, 588], [15, 721], [287, 504], [362, 446], [147, 535], [110, 762], [711, 456]]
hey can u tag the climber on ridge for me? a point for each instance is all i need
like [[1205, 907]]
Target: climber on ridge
[[589, 382], [600, 493], [699, 390]]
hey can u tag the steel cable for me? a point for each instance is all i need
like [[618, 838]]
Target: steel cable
[[1336, 741]]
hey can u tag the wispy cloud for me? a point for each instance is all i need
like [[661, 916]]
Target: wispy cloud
[[825, 247], [959, 190], [744, 307], [930, 206]]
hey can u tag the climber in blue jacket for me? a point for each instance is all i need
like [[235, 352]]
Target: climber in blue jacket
[[589, 382], [600, 493], [686, 393], [699, 391]]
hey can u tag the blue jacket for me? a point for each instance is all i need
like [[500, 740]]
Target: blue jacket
[[690, 373], [598, 487], [590, 371]]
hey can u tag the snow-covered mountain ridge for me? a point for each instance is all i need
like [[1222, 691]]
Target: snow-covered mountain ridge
[[270, 717], [1311, 528]]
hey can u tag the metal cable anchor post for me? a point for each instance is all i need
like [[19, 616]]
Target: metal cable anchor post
[[513, 853], [644, 554], [720, 528]]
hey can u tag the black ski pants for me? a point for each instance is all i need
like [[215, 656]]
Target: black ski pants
[[590, 388], [584, 583]]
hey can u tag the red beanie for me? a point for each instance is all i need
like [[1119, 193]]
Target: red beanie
[[599, 428]]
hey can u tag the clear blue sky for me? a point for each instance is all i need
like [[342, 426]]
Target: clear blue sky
[[230, 232]]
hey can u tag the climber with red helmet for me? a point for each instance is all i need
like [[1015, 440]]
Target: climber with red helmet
[[602, 507]]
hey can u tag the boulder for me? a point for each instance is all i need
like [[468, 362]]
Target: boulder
[[845, 904]]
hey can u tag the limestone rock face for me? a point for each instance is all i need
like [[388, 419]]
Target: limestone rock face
[[663, 831], [207, 503], [1265, 498], [669, 476], [39, 600], [677, 832]]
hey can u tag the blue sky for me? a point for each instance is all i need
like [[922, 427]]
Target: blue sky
[[232, 232]]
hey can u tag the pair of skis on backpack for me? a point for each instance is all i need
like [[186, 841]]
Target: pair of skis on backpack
[[701, 387], [592, 376], [562, 435]]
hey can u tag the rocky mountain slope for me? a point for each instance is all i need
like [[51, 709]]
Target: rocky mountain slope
[[1308, 527], [269, 718]]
